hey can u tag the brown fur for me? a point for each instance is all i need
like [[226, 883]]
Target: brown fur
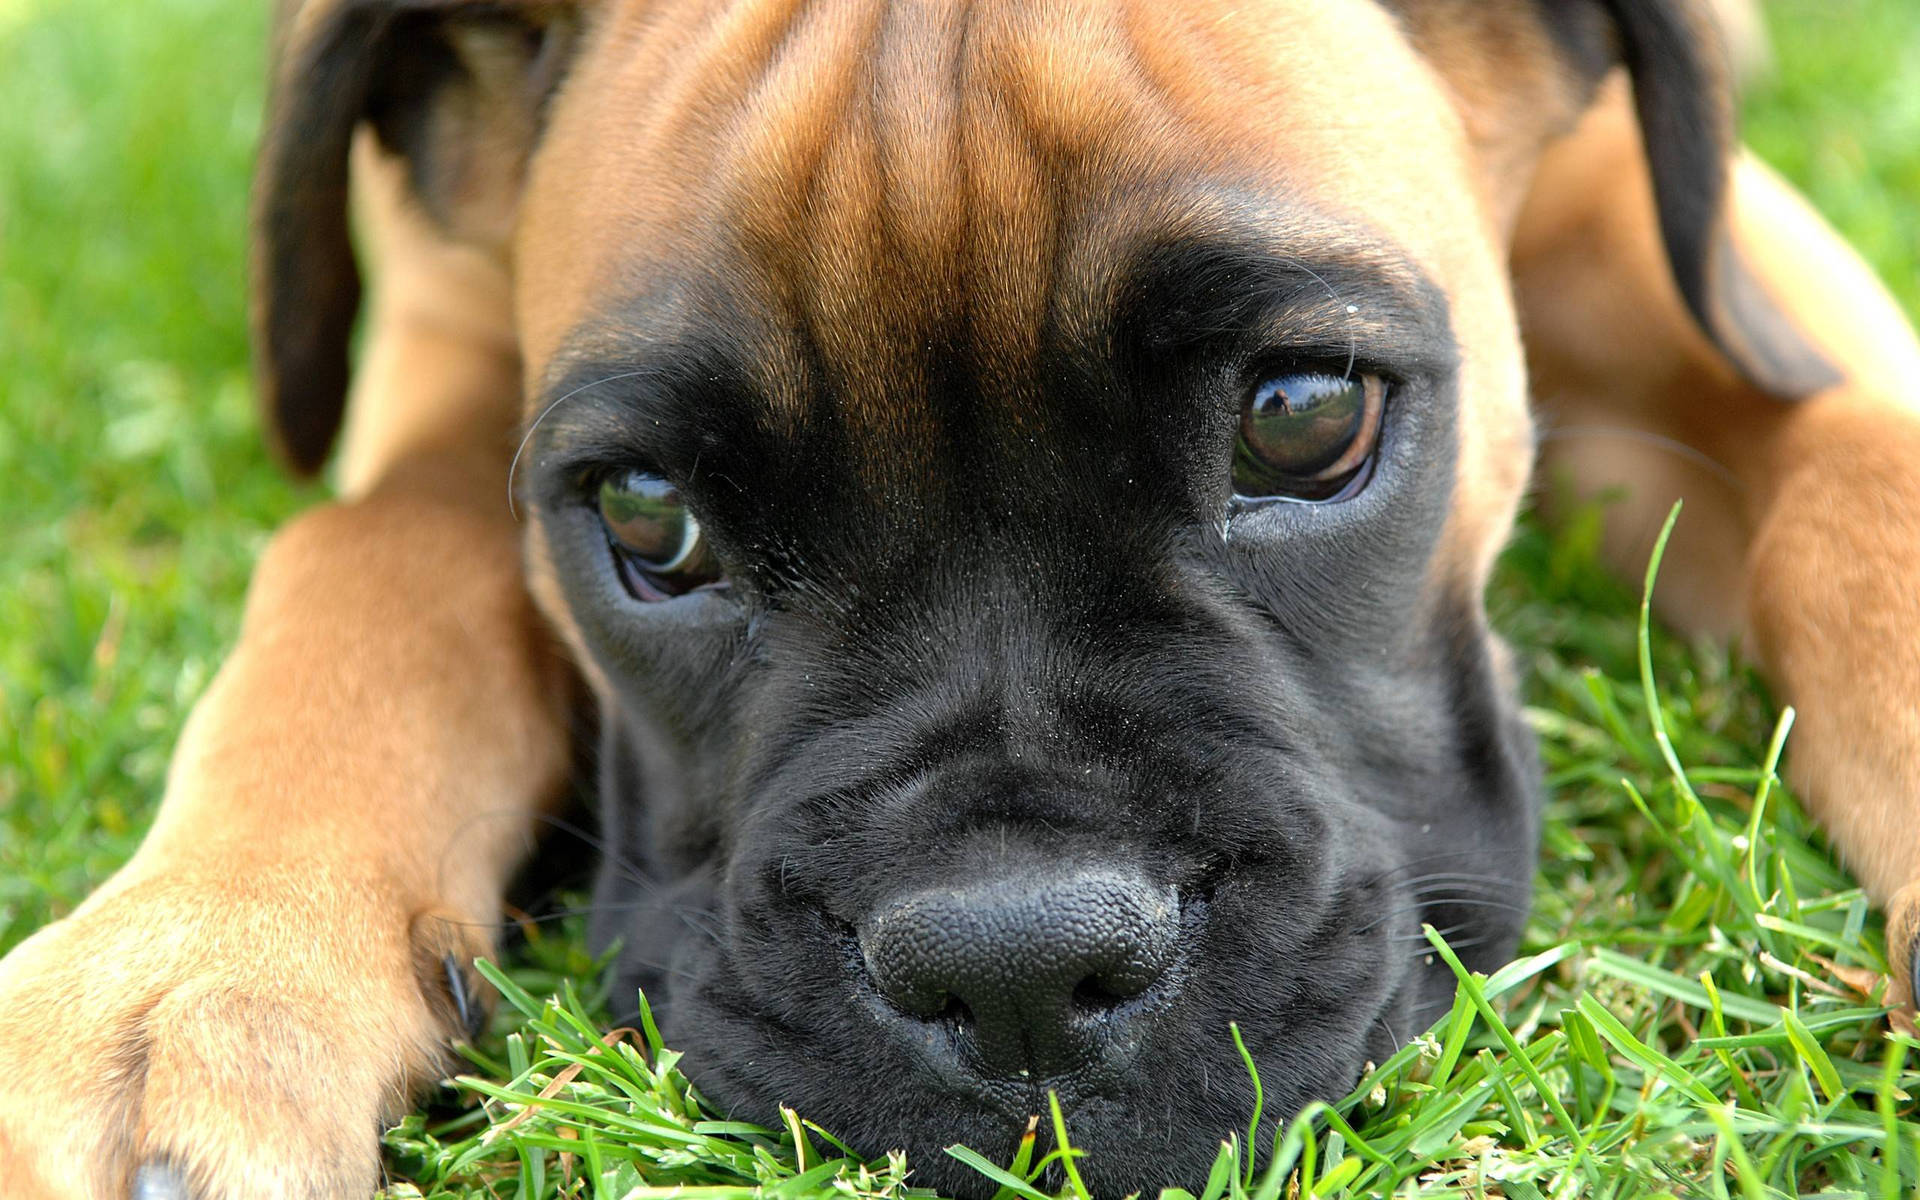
[[245, 996], [255, 990], [1802, 532]]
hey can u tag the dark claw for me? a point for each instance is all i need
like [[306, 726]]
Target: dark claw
[[463, 1005], [157, 1182]]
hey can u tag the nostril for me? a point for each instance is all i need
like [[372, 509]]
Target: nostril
[[938, 1007], [1132, 971], [1032, 971], [1095, 994]]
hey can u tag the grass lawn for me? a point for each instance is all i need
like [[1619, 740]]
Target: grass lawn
[[1695, 1012]]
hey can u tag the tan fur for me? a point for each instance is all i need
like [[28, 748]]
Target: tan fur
[[261, 985], [1802, 530], [257, 988]]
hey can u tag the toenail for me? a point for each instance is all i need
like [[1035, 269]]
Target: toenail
[[463, 1005]]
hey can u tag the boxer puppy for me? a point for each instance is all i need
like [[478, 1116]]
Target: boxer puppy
[[1018, 482]]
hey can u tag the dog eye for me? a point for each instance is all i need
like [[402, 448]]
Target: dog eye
[[656, 541], [1308, 436]]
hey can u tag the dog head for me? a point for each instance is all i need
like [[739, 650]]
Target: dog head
[[1020, 480]]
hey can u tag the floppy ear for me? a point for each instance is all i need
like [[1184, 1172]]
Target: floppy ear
[[1675, 54], [454, 88]]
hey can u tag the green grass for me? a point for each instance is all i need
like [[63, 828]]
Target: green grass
[[1686, 1019]]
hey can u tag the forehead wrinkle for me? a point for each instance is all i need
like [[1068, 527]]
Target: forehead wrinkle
[[694, 74], [903, 177], [863, 300], [1080, 77], [668, 78], [1060, 122], [845, 214], [784, 124], [1190, 58], [913, 216], [918, 81], [1010, 240]]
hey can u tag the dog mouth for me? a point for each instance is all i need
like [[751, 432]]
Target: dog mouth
[[1159, 1125], [933, 1041], [939, 959]]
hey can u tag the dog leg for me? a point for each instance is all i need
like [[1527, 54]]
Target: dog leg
[[267, 981], [1802, 524]]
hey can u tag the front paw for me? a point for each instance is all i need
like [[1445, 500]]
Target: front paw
[[242, 1033]]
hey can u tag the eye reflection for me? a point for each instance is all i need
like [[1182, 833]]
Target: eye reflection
[[1307, 435], [655, 538]]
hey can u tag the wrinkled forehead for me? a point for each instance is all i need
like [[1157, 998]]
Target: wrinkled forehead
[[845, 159]]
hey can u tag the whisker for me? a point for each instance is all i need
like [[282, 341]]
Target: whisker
[[526, 437], [545, 918], [667, 970], [1674, 446], [1442, 901], [1463, 879], [631, 870], [1391, 1035], [1421, 938], [693, 919], [1520, 910], [1475, 855]]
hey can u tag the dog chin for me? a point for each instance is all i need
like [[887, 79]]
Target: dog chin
[[1167, 1133], [1156, 1119]]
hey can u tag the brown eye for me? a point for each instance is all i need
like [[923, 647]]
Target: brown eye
[[655, 540], [1308, 436]]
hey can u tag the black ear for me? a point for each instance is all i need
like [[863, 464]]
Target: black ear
[[1683, 93], [456, 89]]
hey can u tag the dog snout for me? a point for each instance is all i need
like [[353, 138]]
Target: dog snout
[[1037, 977]]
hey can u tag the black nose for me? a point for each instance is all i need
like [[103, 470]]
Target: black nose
[[1036, 971]]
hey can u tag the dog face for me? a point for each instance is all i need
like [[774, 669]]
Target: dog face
[[1005, 521], [1020, 481]]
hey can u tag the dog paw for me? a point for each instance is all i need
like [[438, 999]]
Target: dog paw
[[217, 1038]]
